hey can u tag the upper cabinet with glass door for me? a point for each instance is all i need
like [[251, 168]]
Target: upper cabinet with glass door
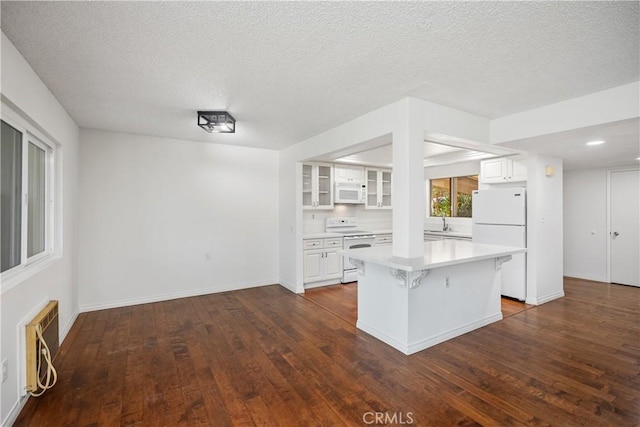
[[317, 186], [378, 189]]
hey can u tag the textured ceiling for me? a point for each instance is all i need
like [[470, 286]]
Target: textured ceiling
[[621, 147], [290, 70]]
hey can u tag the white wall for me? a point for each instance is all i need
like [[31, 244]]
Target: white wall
[[25, 93], [585, 224], [544, 230], [153, 210]]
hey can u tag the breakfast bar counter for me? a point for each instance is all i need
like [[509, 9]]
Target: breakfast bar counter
[[414, 303]]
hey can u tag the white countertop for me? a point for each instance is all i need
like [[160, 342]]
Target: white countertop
[[441, 253], [448, 233], [320, 235], [378, 232]]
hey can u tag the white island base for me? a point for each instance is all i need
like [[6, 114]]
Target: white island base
[[413, 304]]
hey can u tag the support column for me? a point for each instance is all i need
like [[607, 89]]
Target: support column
[[408, 189]]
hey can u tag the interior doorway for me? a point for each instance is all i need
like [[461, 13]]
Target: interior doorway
[[624, 227]]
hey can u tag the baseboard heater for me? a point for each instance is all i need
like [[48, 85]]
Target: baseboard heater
[[42, 342]]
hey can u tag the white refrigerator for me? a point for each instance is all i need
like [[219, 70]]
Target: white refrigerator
[[500, 218]]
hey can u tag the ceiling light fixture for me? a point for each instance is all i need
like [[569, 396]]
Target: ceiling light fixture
[[595, 142], [216, 121]]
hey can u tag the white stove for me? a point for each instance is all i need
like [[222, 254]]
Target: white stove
[[353, 239], [353, 232]]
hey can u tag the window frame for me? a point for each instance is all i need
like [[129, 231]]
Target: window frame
[[452, 196], [30, 135]]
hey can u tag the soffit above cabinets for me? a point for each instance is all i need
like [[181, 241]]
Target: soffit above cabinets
[[621, 147], [439, 150]]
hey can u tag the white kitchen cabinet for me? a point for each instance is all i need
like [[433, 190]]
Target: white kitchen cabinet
[[348, 174], [332, 264], [317, 186], [384, 239], [464, 239], [432, 237], [313, 265], [501, 170], [378, 189], [321, 259]]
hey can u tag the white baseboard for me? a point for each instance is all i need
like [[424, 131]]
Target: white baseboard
[[290, 287], [586, 277], [382, 336], [545, 299], [174, 295], [321, 284], [416, 346], [12, 416], [422, 344], [68, 326]]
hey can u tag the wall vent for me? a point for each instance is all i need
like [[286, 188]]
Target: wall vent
[[42, 342]]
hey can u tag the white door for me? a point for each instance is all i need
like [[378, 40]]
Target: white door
[[624, 227]]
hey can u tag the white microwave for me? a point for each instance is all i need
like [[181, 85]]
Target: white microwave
[[350, 192]]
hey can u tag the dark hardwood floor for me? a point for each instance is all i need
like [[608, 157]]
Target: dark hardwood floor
[[342, 300], [265, 356]]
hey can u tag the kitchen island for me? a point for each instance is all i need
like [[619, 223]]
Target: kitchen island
[[415, 303]]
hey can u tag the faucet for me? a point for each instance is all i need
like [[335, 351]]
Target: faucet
[[445, 227]]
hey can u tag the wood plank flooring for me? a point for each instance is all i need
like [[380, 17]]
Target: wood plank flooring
[[265, 356], [342, 300]]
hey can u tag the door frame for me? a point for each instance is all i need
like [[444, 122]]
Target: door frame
[[609, 172]]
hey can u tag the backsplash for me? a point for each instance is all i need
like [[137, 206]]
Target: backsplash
[[460, 225], [368, 219], [373, 220]]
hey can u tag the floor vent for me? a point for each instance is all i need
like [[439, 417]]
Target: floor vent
[[42, 346]]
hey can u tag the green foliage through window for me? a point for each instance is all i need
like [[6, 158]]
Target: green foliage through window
[[443, 190]]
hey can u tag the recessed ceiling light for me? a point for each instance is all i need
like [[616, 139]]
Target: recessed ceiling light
[[595, 142]]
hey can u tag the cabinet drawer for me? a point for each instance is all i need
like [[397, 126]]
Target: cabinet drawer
[[335, 242], [312, 244], [432, 238], [385, 238], [468, 239]]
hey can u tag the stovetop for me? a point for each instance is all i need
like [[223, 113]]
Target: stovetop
[[346, 226], [352, 232]]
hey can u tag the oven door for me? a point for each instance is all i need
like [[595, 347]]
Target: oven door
[[355, 243]]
